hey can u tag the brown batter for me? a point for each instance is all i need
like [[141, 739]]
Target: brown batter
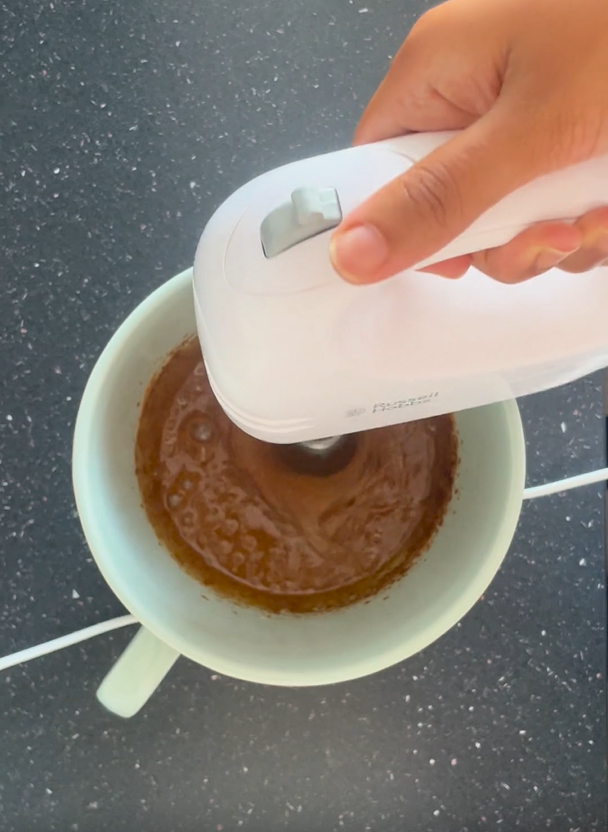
[[256, 523]]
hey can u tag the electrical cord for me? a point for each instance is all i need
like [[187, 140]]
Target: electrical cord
[[60, 643], [66, 641], [566, 485]]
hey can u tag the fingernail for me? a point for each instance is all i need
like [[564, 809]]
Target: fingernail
[[358, 253], [548, 258]]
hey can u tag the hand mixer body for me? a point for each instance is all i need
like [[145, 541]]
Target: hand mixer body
[[294, 353]]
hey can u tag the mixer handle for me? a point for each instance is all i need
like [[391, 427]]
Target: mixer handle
[[563, 195]]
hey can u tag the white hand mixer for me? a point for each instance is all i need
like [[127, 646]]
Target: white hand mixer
[[295, 354]]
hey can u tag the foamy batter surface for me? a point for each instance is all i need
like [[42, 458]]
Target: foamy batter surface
[[238, 516]]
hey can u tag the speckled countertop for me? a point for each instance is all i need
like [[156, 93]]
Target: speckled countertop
[[122, 126]]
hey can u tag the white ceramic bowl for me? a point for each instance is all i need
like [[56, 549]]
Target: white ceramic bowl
[[245, 642]]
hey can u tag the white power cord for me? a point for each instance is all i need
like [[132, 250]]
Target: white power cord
[[566, 485], [125, 620], [66, 641]]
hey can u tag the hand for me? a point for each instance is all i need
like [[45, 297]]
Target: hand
[[527, 81]]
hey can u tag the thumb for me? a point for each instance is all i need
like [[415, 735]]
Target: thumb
[[434, 201]]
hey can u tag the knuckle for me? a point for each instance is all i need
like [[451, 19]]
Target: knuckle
[[594, 221], [577, 138], [493, 263], [570, 135], [435, 16], [434, 193], [426, 20], [574, 267], [582, 261]]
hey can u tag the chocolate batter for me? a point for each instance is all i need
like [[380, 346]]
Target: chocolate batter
[[257, 523]]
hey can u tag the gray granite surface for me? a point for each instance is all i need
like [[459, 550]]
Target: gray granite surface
[[122, 126]]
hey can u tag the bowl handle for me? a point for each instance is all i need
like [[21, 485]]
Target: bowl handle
[[136, 675]]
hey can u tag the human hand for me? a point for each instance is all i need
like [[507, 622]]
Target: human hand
[[527, 82]]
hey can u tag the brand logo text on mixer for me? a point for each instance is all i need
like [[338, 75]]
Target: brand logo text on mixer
[[381, 407]]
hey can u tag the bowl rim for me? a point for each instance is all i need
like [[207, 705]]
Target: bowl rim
[[85, 498]]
